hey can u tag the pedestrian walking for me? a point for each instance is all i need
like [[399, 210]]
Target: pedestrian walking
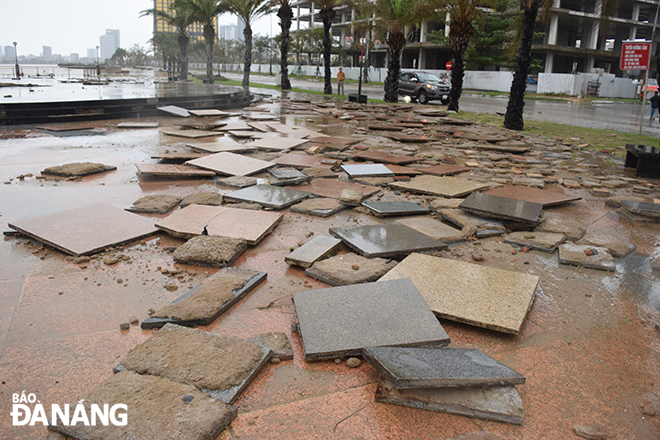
[[655, 99], [341, 76]]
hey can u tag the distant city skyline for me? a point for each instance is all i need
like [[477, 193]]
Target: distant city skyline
[[76, 25]]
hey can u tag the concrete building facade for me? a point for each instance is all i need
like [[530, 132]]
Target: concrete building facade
[[195, 30], [109, 43], [232, 31]]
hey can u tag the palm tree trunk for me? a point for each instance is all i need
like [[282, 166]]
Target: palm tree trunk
[[209, 36], [395, 44], [247, 57], [457, 74], [183, 62], [513, 119], [327, 15], [285, 14], [460, 34]]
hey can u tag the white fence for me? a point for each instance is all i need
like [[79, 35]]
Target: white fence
[[609, 86]]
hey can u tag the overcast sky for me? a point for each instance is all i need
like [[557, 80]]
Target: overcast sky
[[73, 26]]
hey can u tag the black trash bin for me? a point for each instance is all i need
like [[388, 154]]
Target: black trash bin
[[354, 97]]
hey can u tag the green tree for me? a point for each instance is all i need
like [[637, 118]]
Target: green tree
[[248, 11], [285, 14], [396, 15], [119, 56], [327, 13], [179, 19], [204, 12], [165, 44], [491, 42]]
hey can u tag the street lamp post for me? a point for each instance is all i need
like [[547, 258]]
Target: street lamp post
[[18, 69], [98, 63]]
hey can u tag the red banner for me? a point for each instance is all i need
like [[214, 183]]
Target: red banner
[[635, 55]]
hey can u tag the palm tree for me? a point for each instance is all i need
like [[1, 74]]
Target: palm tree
[[180, 20], [327, 13], [396, 15], [165, 43], [204, 12], [285, 13], [248, 11]]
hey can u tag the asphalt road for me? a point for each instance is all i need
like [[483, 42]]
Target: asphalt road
[[614, 116]]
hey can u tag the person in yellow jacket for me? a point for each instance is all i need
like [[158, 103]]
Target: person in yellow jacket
[[341, 76]]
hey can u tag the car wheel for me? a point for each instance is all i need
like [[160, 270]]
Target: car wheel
[[445, 101], [423, 97]]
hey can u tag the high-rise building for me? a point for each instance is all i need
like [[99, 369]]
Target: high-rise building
[[75, 58], [91, 54], [232, 31], [1, 52], [195, 30], [109, 43], [48, 52], [10, 52]]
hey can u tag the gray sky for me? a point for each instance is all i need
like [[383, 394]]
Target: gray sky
[[73, 26]]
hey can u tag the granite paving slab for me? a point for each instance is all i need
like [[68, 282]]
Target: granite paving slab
[[237, 181], [203, 198], [210, 250], [179, 157], [388, 240], [86, 230], [484, 227], [286, 173], [442, 203], [345, 269], [499, 404], [399, 170], [443, 169], [219, 365], [231, 164], [191, 134], [617, 247], [209, 112], [171, 170], [320, 207], [260, 117], [541, 241], [341, 321], [318, 248], [384, 157], [388, 209], [155, 204], [244, 134], [473, 294], [502, 208], [176, 111], [220, 220], [269, 196], [279, 345], [367, 170], [332, 188], [415, 367], [545, 197], [434, 229], [235, 125], [450, 187], [138, 125], [304, 161], [592, 257], [572, 229], [151, 401], [502, 148], [643, 209], [208, 300], [410, 138], [224, 143], [78, 169], [278, 143]]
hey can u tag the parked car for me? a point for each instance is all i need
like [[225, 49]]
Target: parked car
[[423, 87]]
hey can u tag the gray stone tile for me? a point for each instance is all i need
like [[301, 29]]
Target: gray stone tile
[[86, 230], [176, 111], [219, 365], [500, 404], [502, 208], [542, 241], [462, 219], [439, 186], [643, 209], [269, 196], [387, 209], [202, 418], [572, 229], [592, 257], [318, 248], [320, 207], [191, 134], [387, 240], [138, 125], [286, 173], [367, 170], [473, 294], [209, 112], [341, 321], [617, 247], [208, 300], [345, 269], [545, 197], [415, 367]]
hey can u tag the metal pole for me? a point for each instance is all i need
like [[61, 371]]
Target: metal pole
[[18, 69], [646, 75]]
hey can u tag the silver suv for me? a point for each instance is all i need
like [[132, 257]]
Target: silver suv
[[423, 86]]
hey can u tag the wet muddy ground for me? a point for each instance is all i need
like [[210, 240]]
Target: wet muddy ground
[[589, 346]]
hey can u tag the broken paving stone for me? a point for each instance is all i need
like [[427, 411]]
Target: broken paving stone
[[279, 345], [543, 196], [442, 203], [269, 196], [618, 248], [416, 367], [368, 170], [350, 197], [481, 226], [601, 192], [590, 432], [230, 164], [471, 293], [386, 209], [151, 401], [238, 181], [318, 248], [450, 187], [387, 240], [78, 169], [341, 321], [642, 209], [434, 229], [202, 198], [320, 172], [572, 229], [542, 241], [500, 404], [320, 207], [218, 364], [210, 250], [592, 257], [341, 270], [204, 303], [155, 204], [353, 362], [502, 208]]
